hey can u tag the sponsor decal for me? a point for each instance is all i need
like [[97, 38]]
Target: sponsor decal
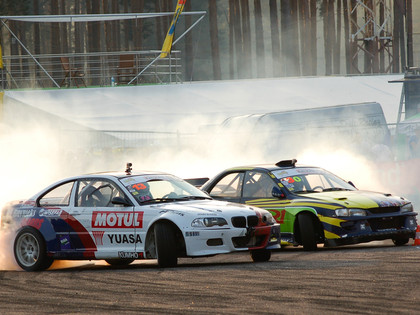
[[52, 212], [64, 242], [278, 214], [188, 234], [98, 237], [124, 238], [35, 223], [389, 204], [291, 180], [130, 255], [23, 213], [128, 180], [139, 186], [297, 171], [174, 212], [117, 219]]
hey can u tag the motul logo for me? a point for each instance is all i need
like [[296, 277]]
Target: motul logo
[[117, 219]]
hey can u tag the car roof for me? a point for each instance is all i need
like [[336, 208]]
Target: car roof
[[281, 165], [114, 174], [120, 174]]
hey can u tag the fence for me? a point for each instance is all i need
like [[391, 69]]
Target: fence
[[90, 69]]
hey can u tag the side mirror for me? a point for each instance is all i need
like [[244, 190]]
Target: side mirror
[[277, 193], [351, 183], [121, 201]]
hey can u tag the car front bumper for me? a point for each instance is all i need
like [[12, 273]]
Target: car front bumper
[[374, 229], [218, 241]]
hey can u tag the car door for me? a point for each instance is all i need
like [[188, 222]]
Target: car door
[[228, 187], [55, 206], [258, 191], [110, 226]]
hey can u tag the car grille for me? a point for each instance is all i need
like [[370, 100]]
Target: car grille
[[380, 210], [387, 223], [243, 222]]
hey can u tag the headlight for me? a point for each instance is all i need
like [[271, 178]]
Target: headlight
[[407, 208], [350, 212], [208, 222]]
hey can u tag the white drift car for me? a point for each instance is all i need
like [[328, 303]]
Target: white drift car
[[120, 217]]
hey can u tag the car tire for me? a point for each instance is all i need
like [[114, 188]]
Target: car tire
[[165, 244], [119, 262], [307, 232], [260, 255], [30, 250], [400, 241]]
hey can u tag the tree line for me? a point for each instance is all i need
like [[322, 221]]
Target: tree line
[[238, 39]]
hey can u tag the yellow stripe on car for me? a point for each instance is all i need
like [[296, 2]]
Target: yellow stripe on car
[[331, 221], [330, 235]]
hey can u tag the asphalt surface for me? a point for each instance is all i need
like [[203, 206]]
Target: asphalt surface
[[373, 278]]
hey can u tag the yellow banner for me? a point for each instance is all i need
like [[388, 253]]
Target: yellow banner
[[167, 44]]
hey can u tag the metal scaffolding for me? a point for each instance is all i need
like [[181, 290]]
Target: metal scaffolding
[[372, 36]]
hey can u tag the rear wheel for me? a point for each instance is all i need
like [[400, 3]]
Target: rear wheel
[[260, 255], [165, 243], [400, 241], [307, 232], [119, 262], [30, 250]]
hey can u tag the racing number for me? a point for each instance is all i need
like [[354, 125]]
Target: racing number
[[278, 215], [293, 179], [139, 186]]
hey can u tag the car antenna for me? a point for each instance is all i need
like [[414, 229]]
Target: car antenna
[[128, 169]]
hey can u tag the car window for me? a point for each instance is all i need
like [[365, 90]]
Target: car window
[[229, 186], [59, 196], [257, 185], [97, 193], [314, 182], [161, 188]]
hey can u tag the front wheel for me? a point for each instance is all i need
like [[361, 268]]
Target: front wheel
[[260, 255], [30, 250], [165, 243], [400, 241], [307, 232]]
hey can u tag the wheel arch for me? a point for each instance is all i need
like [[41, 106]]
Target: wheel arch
[[46, 229], [45, 259], [180, 240], [49, 238]]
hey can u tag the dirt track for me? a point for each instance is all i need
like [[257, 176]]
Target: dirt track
[[375, 278]]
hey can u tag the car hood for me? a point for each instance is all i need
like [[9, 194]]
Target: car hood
[[212, 207], [356, 199]]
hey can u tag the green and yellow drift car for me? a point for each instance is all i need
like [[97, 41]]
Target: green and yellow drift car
[[315, 206]]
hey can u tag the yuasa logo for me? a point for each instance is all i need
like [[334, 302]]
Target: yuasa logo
[[117, 219]]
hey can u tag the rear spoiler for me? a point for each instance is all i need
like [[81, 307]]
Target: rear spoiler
[[197, 182]]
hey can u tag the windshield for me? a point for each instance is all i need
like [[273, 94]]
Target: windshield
[[161, 188], [309, 180]]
